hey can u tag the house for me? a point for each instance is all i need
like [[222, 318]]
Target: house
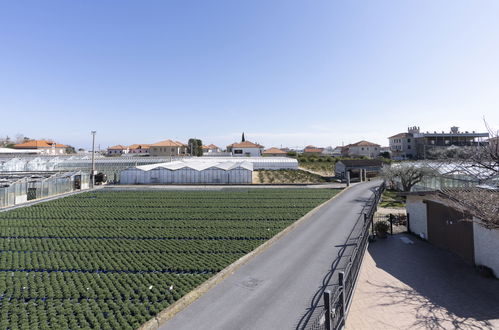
[[372, 167], [210, 149], [435, 217], [337, 151], [117, 150], [403, 145], [274, 152], [45, 147], [168, 148], [245, 148], [312, 150], [415, 144], [362, 148], [141, 149]]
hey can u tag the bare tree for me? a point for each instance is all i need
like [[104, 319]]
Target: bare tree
[[481, 203], [482, 166], [19, 138], [407, 173]]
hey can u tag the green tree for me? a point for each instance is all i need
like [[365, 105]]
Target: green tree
[[195, 147], [70, 149]]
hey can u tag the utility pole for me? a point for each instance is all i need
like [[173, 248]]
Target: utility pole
[[93, 158]]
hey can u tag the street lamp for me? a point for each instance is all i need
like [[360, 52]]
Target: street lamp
[[93, 157]]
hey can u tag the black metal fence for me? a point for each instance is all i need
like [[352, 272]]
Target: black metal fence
[[337, 301], [395, 222]]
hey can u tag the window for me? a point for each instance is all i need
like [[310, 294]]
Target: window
[[238, 152], [408, 147], [408, 140]]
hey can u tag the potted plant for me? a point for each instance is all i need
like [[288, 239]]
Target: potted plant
[[381, 228]]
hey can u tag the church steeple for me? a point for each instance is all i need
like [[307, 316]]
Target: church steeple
[[242, 138]]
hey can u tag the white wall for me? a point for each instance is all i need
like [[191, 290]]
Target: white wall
[[368, 151], [253, 152], [417, 215], [486, 247], [21, 199]]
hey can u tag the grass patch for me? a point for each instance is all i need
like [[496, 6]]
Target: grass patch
[[391, 199], [286, 176]]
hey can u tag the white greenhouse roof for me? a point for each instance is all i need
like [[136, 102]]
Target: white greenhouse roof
[[18, 151], [197, 165]]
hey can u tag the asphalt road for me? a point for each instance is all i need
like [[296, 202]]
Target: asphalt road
[[275, 289]]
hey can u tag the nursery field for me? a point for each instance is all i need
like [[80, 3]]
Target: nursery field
[[113, 260]]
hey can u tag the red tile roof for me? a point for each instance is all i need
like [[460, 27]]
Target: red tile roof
[[139, 146], [168, 143], [363, 143], [117, 147], [274, 151], [211, 146], [313, 150], [37, 144], [245, 144], [400, 135]]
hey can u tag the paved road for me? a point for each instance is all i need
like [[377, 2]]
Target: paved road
[[274, 290]]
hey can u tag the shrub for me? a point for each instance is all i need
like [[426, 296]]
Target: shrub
[[381, 227]]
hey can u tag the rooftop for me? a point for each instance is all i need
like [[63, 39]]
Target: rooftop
[[363, 143], [168, 143], [245, 144], [274, 151], [35, 144]]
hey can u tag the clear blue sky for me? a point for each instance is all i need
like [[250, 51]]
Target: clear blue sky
[[285, 72]]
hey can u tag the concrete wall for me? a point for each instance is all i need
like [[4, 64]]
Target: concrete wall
[[417, 216], [486, 247]]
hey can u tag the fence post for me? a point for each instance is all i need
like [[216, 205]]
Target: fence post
[[391, 225], [408, 224], [327, 307], [341, 280], [372, 226]]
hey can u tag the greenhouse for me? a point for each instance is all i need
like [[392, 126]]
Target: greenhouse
[[22, 187], [182, 172]]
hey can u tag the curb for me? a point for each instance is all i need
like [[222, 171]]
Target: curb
[[165, 315]]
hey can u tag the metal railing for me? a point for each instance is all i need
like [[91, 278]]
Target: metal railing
[[337, 301]]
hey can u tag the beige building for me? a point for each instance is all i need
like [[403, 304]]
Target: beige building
[[362, 148], [45, 147], [168, 148]]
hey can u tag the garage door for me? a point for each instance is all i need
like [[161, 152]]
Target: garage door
[[447, 230]]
